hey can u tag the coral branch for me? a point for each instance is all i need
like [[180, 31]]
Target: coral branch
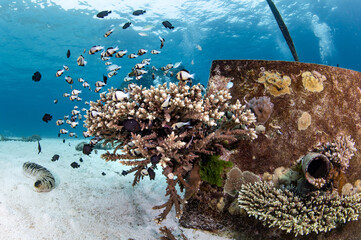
[[170, 127]]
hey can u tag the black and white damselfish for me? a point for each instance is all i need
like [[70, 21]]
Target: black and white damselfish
[[44, 179]]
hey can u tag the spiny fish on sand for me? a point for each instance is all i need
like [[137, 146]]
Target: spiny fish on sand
[[44, 179]]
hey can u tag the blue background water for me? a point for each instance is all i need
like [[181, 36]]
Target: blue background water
[[35, 36]]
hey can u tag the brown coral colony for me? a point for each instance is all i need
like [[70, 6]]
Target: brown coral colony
[[171, 127]]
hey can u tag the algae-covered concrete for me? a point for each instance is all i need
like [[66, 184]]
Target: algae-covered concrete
[[311, 104], [331, 96]]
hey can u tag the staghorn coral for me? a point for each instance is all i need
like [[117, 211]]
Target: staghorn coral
[[316, 212], [171, 127]]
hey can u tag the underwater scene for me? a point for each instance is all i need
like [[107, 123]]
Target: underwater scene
[[193, 119]]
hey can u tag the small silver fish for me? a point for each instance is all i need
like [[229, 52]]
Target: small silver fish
[[132, 55], [162, 40], [66, 95], [71, 134], [95, 49], [142, 52], [167, 67], [81, 61], [81, 80], [75, 112], [97, 89], [120, 95], [59, 72], [184, 75], [86, 134], [110, 51], [155, 52], [113, 67], [180, 124], [66, 67], [177, 64], [63, 131], [139, 66], [73, 97], [141, 72], [86, 84], [99, 84], [75, 92], [59, 122], [112, 73], [146, 61], [120, 53], [108, 33], [69, 80], [166, 103], [74, 124], [94, 114]]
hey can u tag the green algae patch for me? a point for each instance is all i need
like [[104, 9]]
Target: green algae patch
[[212, 169]]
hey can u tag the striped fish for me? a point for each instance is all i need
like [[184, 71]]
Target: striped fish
[[44, 180]]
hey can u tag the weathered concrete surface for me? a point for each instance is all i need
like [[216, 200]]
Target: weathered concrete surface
[[334, 111]]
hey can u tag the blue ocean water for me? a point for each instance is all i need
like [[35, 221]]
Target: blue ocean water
[[35, 36]]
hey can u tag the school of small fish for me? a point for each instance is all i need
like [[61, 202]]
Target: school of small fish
[[140, 69]]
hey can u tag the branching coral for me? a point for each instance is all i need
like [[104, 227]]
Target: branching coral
[[339, 152], [316, 212], [309, 202], [170, 127]]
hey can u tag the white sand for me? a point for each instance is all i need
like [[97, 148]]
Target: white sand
[[84, 204]]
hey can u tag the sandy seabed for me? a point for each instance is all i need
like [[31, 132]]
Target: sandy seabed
[[84, 204]]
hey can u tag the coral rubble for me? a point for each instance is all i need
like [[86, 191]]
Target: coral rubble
[[168, 127]]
